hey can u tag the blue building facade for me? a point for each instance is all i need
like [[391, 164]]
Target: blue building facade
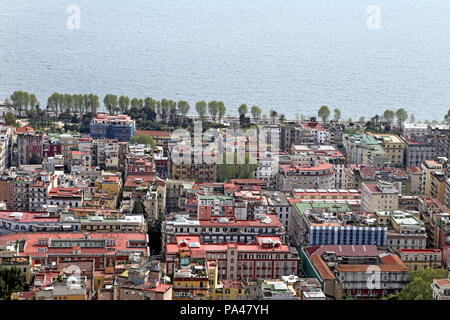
[[345, 235], [122, 131]]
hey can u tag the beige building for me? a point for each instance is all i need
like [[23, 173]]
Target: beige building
[[394, 148], [379, 196], [441, 289], [426, 169], [414, 177], [437, 189], [417, 259]]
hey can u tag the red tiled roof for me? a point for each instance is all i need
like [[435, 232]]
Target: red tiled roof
[[391, 263], [161, 288], [322, 267], [248, 181], [28, 216], [414, 170], [153, 133], [228, 283], [349, 250], [26, 129], [173, 248], [296, 168], [65, 192], [31, 247], [443, 282], [131, 180], [314, 125], [421, 250]]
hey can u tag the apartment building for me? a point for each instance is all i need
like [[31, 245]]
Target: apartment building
[[441, 289], [447, 193], [120, 127], [144, 282], [438, 182], [222, 230], [319, 222], [405, 230], [326, 194], [350, 270], [417, 151], [414, 130], [267, 258], [418, 259], [30, 145], [426, 169], [414, 178], [379, 196], [309, 155], [106, 249], [6, 143], [394, 148], [365, 149], [73, 197], [317, 176], [319, 133]]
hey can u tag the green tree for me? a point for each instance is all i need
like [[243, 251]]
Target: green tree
[[213, 109], [337, 115], [388, 116], [256, 113], [68, 103], [52, 104], [228, 171], [10, 119], [165, 107], [138, 206], [183, 107], [61, 102], [19, 101], [200, 107], [94, 103], [35, 159], [150, 103], [401, 115], [282, 118], [419, 287], [243, 109], [136, 103], [273, 115], [124, 103], [33, 101], [11, 280], [447, 117], [173, 112], [77, 100], [143, 139], [324, 113], [86, 103], [221, 110], [110, 101]]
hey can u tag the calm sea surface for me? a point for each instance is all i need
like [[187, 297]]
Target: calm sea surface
[[290, 55]]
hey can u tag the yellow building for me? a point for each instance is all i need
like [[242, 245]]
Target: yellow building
[[426, 169], [394, 147], [110, 183], [223, 289], [191, 279], [418, 259], [437, 188]]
